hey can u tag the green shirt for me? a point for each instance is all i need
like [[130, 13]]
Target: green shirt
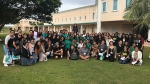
[[77, 39], [74, 44], [88, 46], [65, 35], [67, 44], [131, 49]]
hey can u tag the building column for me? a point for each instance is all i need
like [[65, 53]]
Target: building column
[[70, 28], [99, 17], [54, 29], [43, 28], [81, 31], [61, 27], [38, 29]]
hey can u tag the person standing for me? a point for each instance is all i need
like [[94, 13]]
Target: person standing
[[75, 28]]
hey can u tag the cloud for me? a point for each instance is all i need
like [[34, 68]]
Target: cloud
[[71, 4]]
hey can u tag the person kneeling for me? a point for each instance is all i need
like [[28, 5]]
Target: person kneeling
[[124, 56], [26, 57], [58, 52], [72, 53], [84, 53], [136, 57]]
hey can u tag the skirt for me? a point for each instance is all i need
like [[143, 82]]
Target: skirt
[[26, 61]]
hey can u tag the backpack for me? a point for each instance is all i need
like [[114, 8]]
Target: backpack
[[74, 55]]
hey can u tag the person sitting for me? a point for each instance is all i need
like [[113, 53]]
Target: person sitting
[[84, 53], [119, 49], [26, 58], [111, 52], [72, 53], [43, 56], [102, 49], [37, 51], [136, 57], [124, 56], [80, 45], [94, 49], [58, 52]]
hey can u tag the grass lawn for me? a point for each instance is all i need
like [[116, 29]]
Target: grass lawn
[[76, 72]]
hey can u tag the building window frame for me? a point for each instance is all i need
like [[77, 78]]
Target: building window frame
[[117, 4], [104, 10], [127, 3]]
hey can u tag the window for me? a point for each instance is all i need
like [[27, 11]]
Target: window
[[80, 18], [115, 6], [74, 18], [128, 3], [85, 17], [93, 15], [104, 6]]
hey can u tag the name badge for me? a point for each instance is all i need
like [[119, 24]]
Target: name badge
[[139, 41], [101, 49], [111, 52], [84, 53]]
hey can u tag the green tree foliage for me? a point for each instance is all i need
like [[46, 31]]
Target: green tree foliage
[[139, 12], [12, 11]]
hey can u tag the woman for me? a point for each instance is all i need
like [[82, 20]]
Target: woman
[[102, 49], [75, 28], [45, 34], [124, 56], [94, 49], [74, 43], [111, 52], [67, 44], [108, 39], [31, 49], [24, 39], [77, 38], [37, 50], [80, 45], [123, 38], [43, 56], [72, 53], [26, 58], [136, 57], [84, 53], [130, 40]]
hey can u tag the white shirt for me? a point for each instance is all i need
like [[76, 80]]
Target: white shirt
[[80, 45], [35, 35], [8, 38], [108, 40]]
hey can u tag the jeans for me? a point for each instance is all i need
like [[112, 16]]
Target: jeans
[[34, 59], [124, 61]]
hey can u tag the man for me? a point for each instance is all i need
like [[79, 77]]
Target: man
[[35, 33], [9, 43], [18, 31], [84, 53]]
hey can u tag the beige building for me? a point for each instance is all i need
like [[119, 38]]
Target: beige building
[[103, 16], [25, 25]]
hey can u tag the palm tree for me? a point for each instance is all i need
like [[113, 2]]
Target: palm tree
[[139, 12]]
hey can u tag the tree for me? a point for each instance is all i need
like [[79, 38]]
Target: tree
[[139, 12], [12, 11]]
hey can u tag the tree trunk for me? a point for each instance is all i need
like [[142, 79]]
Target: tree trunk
[[1, 26]]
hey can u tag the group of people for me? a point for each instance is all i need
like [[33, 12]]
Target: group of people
[[36, 46]]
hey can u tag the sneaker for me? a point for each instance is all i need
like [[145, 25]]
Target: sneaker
[[5, 65]]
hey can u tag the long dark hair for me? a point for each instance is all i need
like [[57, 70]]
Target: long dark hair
[[36, 45]]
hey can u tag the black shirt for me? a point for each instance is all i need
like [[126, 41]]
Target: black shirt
[[119, 48]]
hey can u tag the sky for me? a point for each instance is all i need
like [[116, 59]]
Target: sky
[[71, 4]]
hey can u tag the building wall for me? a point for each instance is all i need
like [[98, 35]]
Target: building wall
[[79, 15], [110, 14], [118, 26]]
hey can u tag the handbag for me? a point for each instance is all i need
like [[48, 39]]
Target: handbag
[[7, 59], [74, 55], [17, 52]]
